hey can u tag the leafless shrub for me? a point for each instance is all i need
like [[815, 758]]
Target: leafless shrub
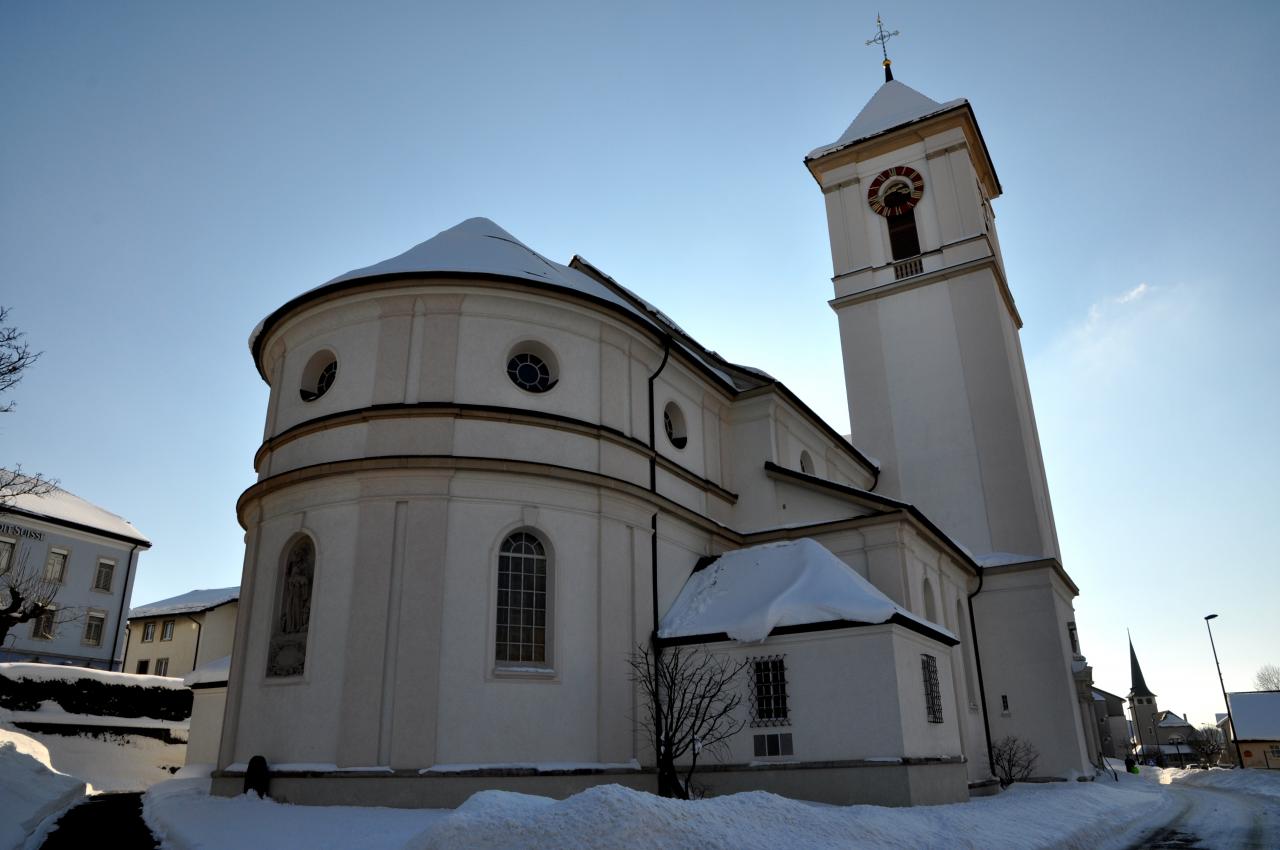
[[1012, 760]]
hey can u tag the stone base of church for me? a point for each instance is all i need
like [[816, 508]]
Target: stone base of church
[[912, 782]]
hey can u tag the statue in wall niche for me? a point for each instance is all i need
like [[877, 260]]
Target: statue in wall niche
[[287, 654], [296, 607]]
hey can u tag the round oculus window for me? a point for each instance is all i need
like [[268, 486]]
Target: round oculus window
[[318, 377], [673, 423], [530, 372]]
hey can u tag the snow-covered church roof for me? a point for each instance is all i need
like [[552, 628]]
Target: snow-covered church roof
[[747, 593], [63, 507], [188, 603], [893, 105]]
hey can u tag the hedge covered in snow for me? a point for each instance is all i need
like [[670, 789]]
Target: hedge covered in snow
[[79, 690]]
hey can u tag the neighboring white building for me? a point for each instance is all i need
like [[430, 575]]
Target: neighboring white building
[[488, 477], [1256, 715], [174, 636], [93, 555]]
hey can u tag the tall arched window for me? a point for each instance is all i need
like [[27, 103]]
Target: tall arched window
[[930, 607], [287, 654], [966, 654], [521, 636], [904, 242]]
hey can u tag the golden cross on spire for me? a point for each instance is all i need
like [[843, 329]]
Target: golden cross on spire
[[880, 38]]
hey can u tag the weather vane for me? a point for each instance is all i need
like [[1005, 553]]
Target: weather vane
[[880, 38]]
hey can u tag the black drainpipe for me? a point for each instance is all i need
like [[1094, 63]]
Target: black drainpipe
[[199, 631], [653, 484], [653, 545], [977, 660], [124, 594]]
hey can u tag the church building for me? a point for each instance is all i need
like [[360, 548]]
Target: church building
[[488, 477]]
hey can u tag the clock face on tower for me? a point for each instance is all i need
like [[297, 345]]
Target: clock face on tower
[[895, 190]]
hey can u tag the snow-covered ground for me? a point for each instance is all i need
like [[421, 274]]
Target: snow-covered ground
[[1095, 815], [32, 793]]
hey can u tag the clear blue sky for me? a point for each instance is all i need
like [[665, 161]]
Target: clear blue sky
[[171, 172]]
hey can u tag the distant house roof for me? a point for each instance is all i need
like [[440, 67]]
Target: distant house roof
[[188, 603], [1169, 719], [65, 508], [1256, 715], [210, 673]]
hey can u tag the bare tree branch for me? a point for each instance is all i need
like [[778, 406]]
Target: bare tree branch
[[15, 356], [690, 703], [1267, 678], [27, 593]]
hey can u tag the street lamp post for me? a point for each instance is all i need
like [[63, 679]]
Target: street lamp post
[[1230, 721]]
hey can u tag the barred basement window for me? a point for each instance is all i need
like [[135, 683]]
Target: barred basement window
[[521, 634], [932, 693], [773, 744], [769, 692]]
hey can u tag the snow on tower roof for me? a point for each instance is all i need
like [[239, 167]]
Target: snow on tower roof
[[188, 603], [1256, 715], [893, 105], [63, 507], [747, 593]]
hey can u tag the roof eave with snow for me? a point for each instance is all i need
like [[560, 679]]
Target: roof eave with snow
[[896, 107]]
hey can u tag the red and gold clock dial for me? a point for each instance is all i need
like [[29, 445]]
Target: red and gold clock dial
[[895, 190]]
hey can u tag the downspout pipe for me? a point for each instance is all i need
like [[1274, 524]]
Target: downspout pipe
[[653, 555], [653, 486], [977, 660], [124, 595], [195, 656]]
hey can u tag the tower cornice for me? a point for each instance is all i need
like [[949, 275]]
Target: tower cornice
[[915, 131]]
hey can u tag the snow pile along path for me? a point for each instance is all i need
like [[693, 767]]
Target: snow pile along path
[[1264, 783], [183, 816], [1075, 815], [32, 793]]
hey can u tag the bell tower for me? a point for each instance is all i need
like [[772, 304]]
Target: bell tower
[[936, 384]]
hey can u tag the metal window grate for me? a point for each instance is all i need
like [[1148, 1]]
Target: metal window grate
[[522, 601], [769, 692], [932, 692]]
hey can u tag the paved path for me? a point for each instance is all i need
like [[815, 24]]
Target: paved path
[[1216, 819], [103, 820]]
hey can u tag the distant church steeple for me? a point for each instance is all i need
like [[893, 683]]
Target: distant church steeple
[[1138, 687]]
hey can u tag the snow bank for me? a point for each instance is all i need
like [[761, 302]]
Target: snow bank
[[1075, 815], [747, 593], [1265, 783], [31, 791], [216, 671], [53, 672], [183, 816]]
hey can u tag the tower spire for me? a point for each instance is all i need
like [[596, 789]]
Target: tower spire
[[880, 38], [1138, 687]]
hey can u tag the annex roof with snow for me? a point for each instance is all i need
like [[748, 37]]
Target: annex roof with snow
[[67, 509], [191, 602], [745, 594], [1256, 715]]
